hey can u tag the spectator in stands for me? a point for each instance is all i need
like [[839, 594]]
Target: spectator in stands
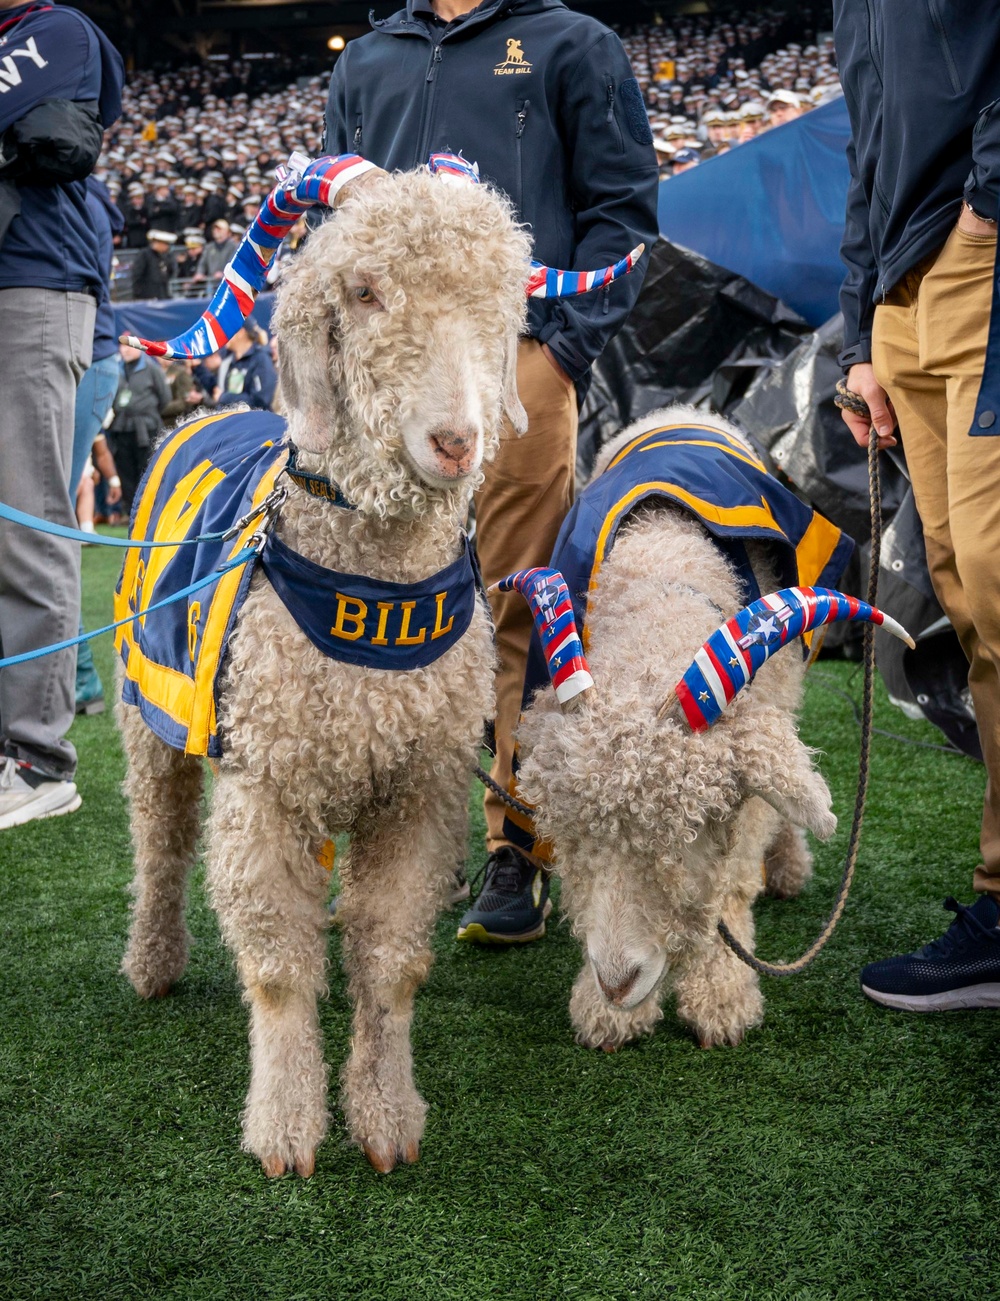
[[783, 106], [189, 254], [921, 306], [216, 255], [50, 281], [580, 166], [684, 159], [185, 394], [164, 210], [191, 207], [247, 372], [143, 395], [136, 216], [154, 268]]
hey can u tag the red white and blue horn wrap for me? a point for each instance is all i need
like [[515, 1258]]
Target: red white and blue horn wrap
[[544, 282], [547, 282], [734, 652], [546, 592], [307, 184]]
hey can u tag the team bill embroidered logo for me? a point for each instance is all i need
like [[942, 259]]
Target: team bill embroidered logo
[[515, 63]]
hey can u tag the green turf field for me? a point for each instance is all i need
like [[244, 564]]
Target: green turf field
[[844, 1152]]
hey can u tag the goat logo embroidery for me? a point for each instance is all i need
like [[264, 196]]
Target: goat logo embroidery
[[515, 63]]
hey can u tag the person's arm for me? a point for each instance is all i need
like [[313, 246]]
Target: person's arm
[[862, 90], [982, 189], [47, 55], [614, 175], [161, 386], [105, 462]]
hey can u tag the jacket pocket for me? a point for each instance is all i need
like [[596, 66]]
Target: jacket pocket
[[944, 45], [358, 134]]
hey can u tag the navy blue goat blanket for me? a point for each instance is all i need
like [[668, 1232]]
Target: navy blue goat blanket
[[203, 478], [722, 484]]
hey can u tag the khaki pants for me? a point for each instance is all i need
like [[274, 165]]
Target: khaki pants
[[519, 510], [928, 349]]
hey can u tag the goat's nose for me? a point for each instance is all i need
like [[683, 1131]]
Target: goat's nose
[[455, 449], [616, 993]]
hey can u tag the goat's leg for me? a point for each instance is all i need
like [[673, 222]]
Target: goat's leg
[[598, 1024], [717, 994], [393, 885], [270, 892], [788, 863], [164, 790]]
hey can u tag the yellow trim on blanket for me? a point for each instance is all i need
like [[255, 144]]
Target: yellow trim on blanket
[[746, 457], [202, 724], [666, 429]]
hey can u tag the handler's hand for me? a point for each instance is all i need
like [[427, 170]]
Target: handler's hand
[[861, 379]]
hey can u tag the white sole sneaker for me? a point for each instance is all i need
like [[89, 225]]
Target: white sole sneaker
[[52, 800], [949, 1000]]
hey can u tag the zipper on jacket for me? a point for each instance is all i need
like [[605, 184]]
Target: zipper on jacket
[[522, 119], [358, 135], [425, 115], [611, 119]]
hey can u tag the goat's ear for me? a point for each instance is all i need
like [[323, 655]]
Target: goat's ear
[[775, 765], [512, 407]]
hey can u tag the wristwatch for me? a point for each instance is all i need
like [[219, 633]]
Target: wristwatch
[[990, 221]]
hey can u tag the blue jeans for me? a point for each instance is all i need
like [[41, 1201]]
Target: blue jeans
[[94, 396]]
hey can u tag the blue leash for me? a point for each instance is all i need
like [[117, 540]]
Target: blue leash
[[241, 558], [97, 539]]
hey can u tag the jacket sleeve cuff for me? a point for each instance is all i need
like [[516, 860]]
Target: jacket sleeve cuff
[[855, 355], [573, 362]]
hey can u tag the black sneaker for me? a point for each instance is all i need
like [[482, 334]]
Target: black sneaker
[[513, 904], [961, 969]]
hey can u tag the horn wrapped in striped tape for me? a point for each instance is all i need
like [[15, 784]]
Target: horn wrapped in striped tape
[[730, 658], [303, 185], [546, 592]]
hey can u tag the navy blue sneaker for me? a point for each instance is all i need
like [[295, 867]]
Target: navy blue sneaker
[[513, 904], [961, 969]]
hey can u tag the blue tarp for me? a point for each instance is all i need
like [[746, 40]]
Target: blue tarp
[[772, 210]]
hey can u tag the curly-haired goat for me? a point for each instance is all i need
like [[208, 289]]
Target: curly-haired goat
[[398, 326], [660, 832]]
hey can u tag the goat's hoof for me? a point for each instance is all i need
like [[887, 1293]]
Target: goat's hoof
[[274, 1166], [410, 1154], [305, 1166], [379, 1159], [161, 991], [609, 1046]]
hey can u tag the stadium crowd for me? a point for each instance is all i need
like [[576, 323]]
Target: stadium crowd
[[195, 149]]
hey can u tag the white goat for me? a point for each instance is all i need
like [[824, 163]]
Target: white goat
[[659, 832]]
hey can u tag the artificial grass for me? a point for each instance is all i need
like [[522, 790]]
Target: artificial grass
[[843, 1152]]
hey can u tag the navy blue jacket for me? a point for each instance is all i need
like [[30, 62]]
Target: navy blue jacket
[[250, 379], [106, 220], [545, 101], [54, 53], [922, 83]]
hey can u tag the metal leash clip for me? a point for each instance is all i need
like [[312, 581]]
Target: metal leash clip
[[269, 507]]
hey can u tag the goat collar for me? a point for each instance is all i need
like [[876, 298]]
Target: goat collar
[[316, 485]]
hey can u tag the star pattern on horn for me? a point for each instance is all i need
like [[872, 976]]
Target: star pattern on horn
[[548, 596], [730, 658]]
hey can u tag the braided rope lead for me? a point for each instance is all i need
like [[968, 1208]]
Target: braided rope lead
[[852, 402], [501, 794]]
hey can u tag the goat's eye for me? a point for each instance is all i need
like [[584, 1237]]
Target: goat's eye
[[365, 295]]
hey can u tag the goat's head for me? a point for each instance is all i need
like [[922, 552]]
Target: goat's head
[[397, 331], [397, 325]]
